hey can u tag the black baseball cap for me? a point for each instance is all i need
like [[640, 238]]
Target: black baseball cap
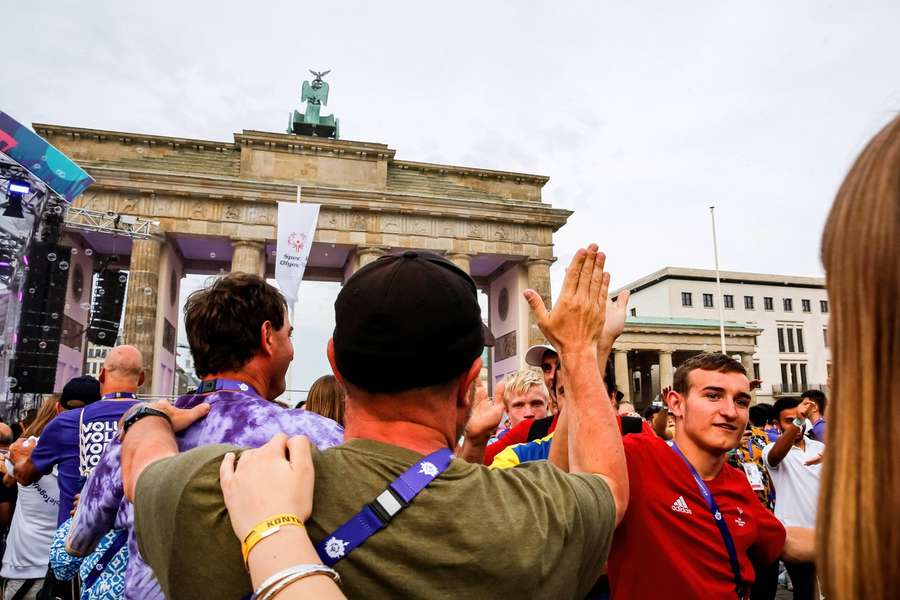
[[407, 321], [84, 389]]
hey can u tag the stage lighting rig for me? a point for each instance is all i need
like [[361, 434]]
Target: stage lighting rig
[[16, 189]]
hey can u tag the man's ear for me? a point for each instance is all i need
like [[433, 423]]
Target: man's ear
[[676, 403], [466, 380], [141, 378], [330, 352], [101, 377], [265, 338]]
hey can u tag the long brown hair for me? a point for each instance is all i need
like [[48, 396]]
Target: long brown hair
[[326, 397], [45, 414], [858, 525]]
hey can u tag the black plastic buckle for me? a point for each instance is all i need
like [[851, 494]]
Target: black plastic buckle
[[207, 386], [387, 505]]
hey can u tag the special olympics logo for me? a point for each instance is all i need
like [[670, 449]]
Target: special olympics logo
[[297, 241]]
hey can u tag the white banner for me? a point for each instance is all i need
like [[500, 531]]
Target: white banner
[[296, 230]]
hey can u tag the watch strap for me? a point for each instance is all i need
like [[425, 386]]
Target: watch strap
[[141, 412]]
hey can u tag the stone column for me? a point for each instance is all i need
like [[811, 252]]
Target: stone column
[[461, 260], [249, 257], [747, 361], [539, 281], [623, 378], [140, 308], [666, 372], [368, 254]]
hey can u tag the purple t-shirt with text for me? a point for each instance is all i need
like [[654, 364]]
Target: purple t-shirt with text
[[75, 440], [237, 418]]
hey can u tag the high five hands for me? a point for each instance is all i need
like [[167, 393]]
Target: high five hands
[[576, 322]]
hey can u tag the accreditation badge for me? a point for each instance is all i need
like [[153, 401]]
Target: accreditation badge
[[754, 476]]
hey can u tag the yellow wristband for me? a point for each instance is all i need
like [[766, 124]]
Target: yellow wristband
[[264, 529]]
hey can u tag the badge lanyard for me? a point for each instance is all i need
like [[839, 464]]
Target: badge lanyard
[[228, 385], [120, 395], [719, 519], [376, 515]]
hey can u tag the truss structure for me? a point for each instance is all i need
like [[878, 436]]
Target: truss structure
[[83, 219]]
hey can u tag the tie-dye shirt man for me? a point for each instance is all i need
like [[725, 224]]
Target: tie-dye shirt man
[[238, 418]]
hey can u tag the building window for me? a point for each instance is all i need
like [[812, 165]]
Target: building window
[[803, 383], [748, 302], [806, 305], [768, 303], [794, 377], [633, 312], [784, 376], [729, 300], [800, 340], [788, 305], [687, 299], [781, 339], [707, 300], [756, 371], [823, 306], [790, 339], [825, 335]]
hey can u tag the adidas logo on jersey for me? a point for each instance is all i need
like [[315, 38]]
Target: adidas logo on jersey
[[681, 506]]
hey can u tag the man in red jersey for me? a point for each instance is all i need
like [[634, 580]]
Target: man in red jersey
[[695, 515]]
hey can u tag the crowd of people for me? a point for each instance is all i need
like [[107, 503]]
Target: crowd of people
[[401, 477]]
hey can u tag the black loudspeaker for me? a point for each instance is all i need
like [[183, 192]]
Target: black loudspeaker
[[43, 297], [109, 299]]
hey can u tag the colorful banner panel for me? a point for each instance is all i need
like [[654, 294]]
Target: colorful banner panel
[[43, 160]]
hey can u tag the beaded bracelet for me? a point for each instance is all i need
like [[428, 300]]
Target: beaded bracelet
[[269, 588]]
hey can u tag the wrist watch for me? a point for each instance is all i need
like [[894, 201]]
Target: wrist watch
[[140, 413]]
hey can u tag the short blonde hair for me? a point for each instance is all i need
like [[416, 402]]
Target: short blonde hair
[[519, 382]]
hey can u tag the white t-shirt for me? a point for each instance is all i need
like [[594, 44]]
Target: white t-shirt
[[796, 485], [31, 532]]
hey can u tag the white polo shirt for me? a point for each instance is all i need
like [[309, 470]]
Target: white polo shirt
[[796, 484]]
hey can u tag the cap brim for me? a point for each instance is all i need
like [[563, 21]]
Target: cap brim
[[488, 336], [535, 354]]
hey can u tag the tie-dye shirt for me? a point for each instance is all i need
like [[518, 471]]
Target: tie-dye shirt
[[238, 418]]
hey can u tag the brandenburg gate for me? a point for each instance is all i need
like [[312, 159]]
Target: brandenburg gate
[[213, 210]]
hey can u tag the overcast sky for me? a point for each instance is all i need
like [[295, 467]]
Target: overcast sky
[[642, 114]]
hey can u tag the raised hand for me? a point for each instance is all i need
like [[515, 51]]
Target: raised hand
[[486, 414], [804, 408], [616, 313], [277, 478], [577, 319]]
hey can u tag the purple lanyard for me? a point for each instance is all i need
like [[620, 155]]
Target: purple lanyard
[[230, 385], [375, 515], [118, 395], [719, 520]]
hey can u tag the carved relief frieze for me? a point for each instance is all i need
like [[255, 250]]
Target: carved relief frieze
[[359, 221], [391, 223], [329, 219], [199, 209], [416, 226], [232, 213]]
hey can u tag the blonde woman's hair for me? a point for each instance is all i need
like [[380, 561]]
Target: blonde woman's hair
[[519, 382], [858, 526], [45, 414], [326, 397]]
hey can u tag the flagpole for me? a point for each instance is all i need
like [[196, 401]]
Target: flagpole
[[712, 214]]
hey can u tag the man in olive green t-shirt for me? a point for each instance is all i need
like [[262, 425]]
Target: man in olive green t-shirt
[[533, 531]]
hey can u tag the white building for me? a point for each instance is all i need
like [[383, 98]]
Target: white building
[[792, 351], [94, 357]]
